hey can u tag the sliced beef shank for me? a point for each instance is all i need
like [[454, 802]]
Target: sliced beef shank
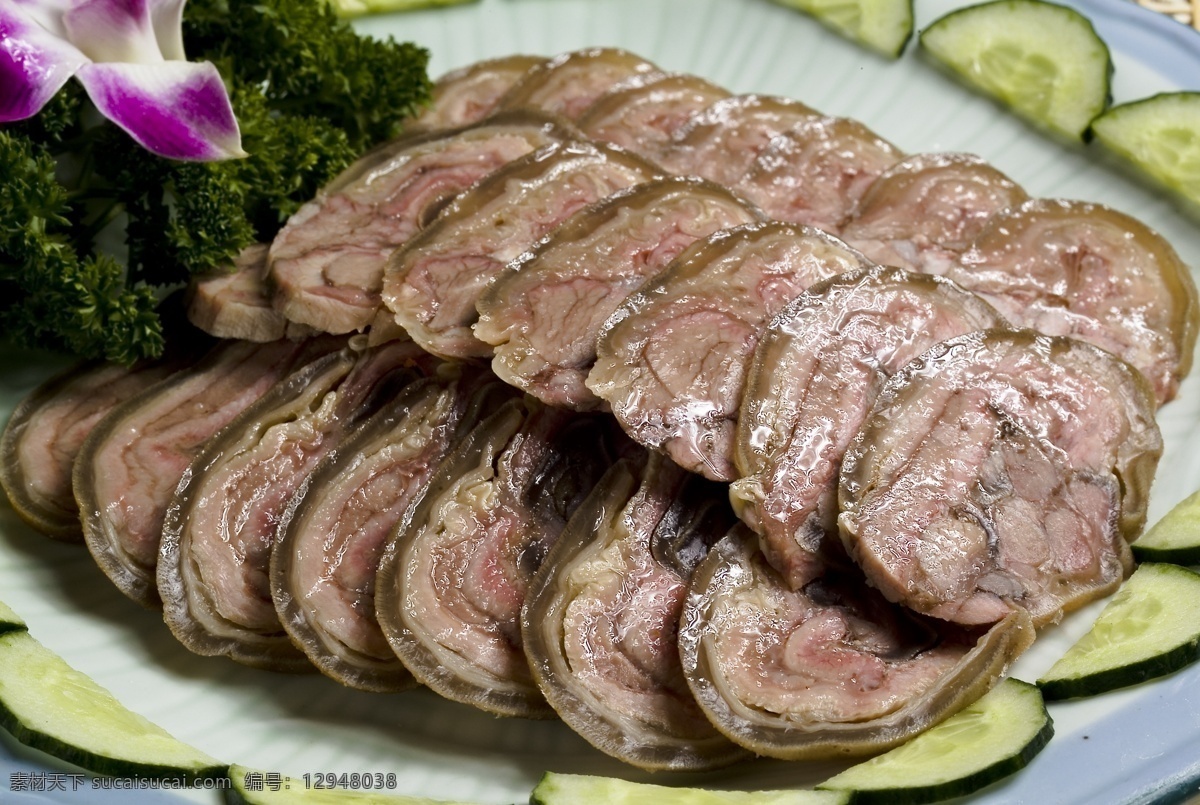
[[568, 84], [236, 303], [1087, 271], [1002, 470], [326, 265], [601, 620], [923, 213], [324, 564], [543, 312], [671, 362], [469, 94], [815, 374], [432, 284], [131, 462], [832, 670], [450, 589], [220, 528]]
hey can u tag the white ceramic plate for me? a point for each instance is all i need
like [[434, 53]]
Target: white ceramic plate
[[1137, 745]]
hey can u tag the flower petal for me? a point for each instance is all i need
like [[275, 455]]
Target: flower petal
[[178, 110], [113, 31], [34, 63], [167, 16]]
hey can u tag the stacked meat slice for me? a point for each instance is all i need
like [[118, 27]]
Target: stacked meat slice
[[780, 301]]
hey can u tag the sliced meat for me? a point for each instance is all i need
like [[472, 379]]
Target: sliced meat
[[1084, 270], [215, 553], [671, 362], [601, 620], [469, 94], [643, 114], [237, 303], [46, 431], [544, 311], [131, 462], [569, 83], [923, 213], [1002, 470], [832, 670], [450, 590], [722, 142], [816, 372], [815, 172], [326, 264], [324, 565], [432, 285]]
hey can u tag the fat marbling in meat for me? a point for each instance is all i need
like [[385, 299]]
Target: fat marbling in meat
[[832, 670], [570, 82], [469, 94], [923, 212], [450, 590], [432, 284], [220, 528], [323, 567], [671, 362], [1002, 470], [237, 303], [326, 265], [601, 620], [1088, 271], [543, 312], [816, 371]]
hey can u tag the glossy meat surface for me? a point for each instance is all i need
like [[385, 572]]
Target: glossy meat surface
[[672, 360], [570, 82], [830, 670], [326, 265], [923, 213], [1002, 470], [237, 303], [1091, 272], [469, 94], [817, 370], [543, 313], [433, 284]]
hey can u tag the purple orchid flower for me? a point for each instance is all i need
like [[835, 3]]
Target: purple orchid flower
[[128, 54]]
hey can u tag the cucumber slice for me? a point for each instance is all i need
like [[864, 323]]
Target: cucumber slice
[[884, 26], [1160, 136], [10, 621], [581, 789], [1176, 537], [1045, 62], [361, 8], [1150, 628], [982, 743], [252, 787], [48, 705]]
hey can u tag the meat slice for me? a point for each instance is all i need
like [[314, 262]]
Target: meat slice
[[816, 372], [923, 213], [815, 172], [1002, 470], [469, 94], [324, 564], [451, 587], [326, 265], [832, 670], [131, 462], [236, 303], [1088, 271], [671, 362], [642, 115], [432, 285], [721, 142], [46, 431], [601, 620], [569, 83], [215, 553], [544, 311]]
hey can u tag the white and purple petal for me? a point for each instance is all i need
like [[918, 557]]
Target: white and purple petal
[[34, 62], [167, 16], [113, 31], [178, 110]]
